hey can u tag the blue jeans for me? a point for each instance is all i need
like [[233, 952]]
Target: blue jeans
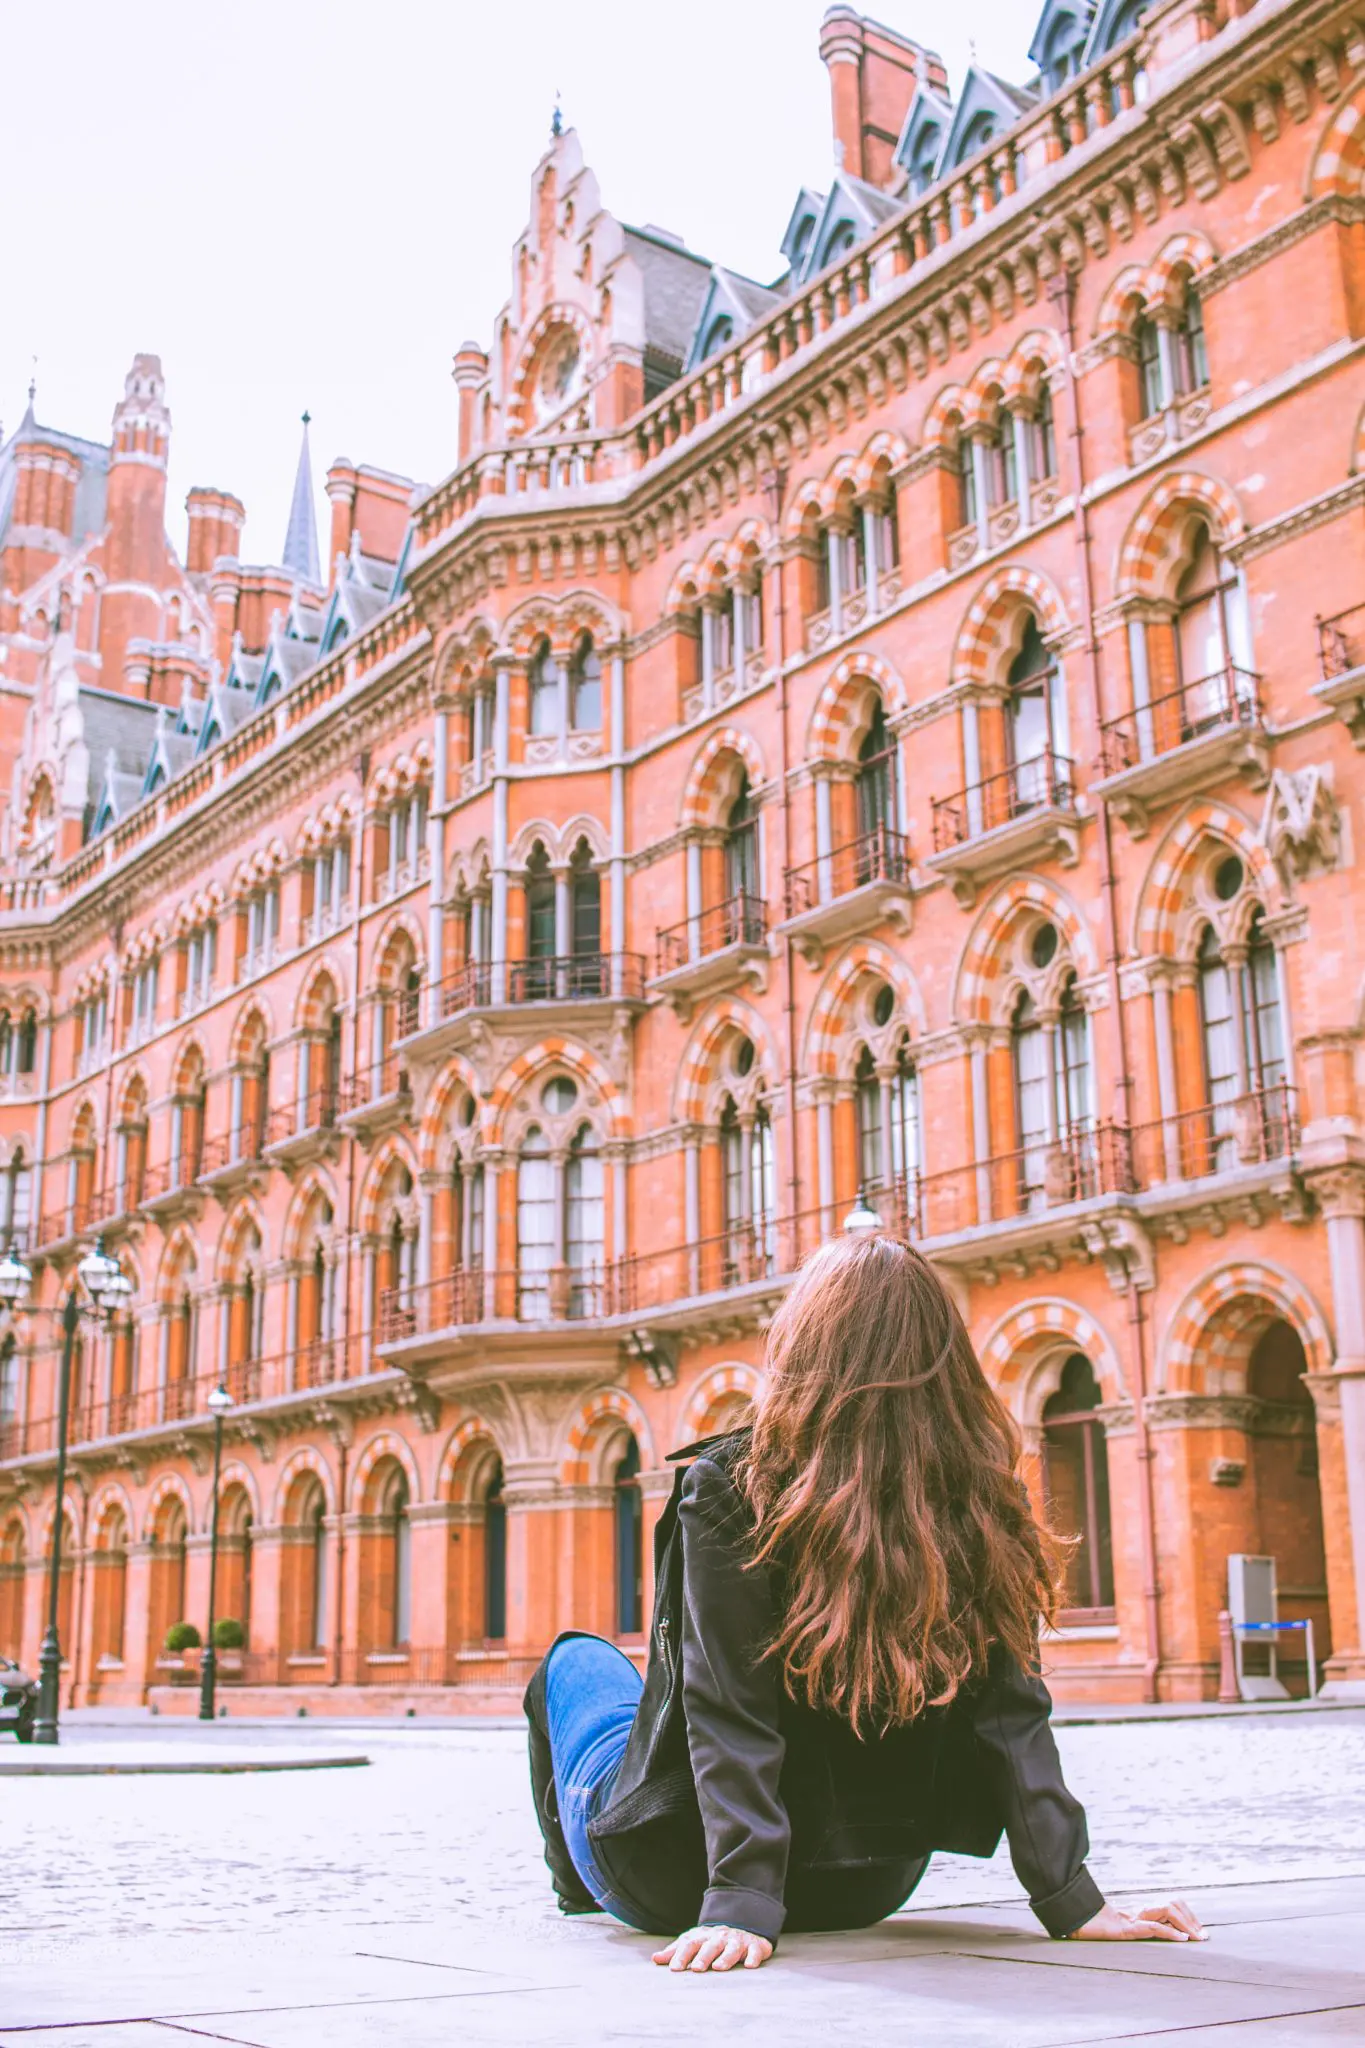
[[591, 1693]]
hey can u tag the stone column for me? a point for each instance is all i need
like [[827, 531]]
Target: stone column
[[981, 1129], [1165, 1072], [1022, 481], [432, 1524], [824, 836], [537, 1606], [824, 1146], [971, 762], [868, 512], [1342, 1195]]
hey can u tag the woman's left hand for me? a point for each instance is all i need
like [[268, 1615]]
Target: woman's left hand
[[715, 1948]]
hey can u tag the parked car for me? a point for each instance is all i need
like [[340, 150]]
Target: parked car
[[18, 1700]]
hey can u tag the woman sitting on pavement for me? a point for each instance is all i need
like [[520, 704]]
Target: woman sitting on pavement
[[843, 1662]]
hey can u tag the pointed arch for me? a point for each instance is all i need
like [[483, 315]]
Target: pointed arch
[[549, 1052], [251, 1032], [984, 962], [378, 1451], [704, 788], [831, 1014], [1022, 1352], [1121, 303], [1154, 539], [315, 1189], [597, 1418], [1159, 915], [323, 991], [235, 1473], [697, 1067], [840, 710], [471, 1445], [721, 1389], [456, 1080], [393, 1150], [1211, 1336], [995, 619], [1190, 252], [111, 1494], [804, 506], [1337, 165], [169, 1487], [1036, 356], [305, 1459], [245, 1220], [944, 419], [885, 450]]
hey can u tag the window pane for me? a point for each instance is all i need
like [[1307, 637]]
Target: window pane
[[535, 1227]]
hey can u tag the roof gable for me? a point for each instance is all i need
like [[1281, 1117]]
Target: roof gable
[[986, 109], [1115, 21], [1058, 46], [922, 137]]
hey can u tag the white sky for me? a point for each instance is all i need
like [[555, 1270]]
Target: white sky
[[313, 202]]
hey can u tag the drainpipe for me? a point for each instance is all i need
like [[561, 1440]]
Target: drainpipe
[[362, 769], [339, 1617], [775, 487], [1062, 292]]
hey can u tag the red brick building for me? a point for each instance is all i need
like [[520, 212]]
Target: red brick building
[[893, 729]]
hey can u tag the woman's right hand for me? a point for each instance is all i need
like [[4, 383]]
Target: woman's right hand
[[715, 1948], [1174, 1922]]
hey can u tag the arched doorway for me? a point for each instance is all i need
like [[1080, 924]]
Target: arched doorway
[[1286, 1499], [166, 1592]]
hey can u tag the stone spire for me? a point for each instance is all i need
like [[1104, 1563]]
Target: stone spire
[[301, 540]]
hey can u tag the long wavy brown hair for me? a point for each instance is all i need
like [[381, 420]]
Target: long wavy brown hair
[[882, 1475]]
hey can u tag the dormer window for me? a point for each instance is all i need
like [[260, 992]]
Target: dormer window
[[719, 335]]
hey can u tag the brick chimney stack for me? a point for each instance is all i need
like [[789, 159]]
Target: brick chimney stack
[[216, 521], [873, 76]]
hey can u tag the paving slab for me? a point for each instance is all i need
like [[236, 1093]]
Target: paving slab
[[407, 1905]]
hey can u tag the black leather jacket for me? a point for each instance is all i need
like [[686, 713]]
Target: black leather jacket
[[731, 1793]]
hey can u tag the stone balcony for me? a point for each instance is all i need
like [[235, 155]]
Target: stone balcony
[[719, 948], [576, 991], [1183, 742], [1026, 813], [852, 889]]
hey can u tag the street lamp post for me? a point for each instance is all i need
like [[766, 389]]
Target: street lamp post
[[106, 1286], [220, 1404]]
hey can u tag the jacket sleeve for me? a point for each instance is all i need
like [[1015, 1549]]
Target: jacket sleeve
[[1044, 1823], [730, 1700]]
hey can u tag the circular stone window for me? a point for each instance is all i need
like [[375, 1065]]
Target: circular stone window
[[558, 1097], [560, 373], [744, 1057], [1227, 878], [1043, 945], [883, 1004]]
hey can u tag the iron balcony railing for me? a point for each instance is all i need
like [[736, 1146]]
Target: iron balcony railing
[[316, 1110], [560, 978], [741, 920], [1047, 780], [880, 855], [1221, 702], [1341, 642]]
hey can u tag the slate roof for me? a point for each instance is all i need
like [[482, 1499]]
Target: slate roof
[[675, 283]]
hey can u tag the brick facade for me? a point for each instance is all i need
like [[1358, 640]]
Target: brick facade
[[892, 732]]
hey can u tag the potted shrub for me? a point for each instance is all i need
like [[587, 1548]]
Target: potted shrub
[[229, 1640], [180, 1637]]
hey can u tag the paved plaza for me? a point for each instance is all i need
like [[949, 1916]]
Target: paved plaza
[[405, 1903]]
